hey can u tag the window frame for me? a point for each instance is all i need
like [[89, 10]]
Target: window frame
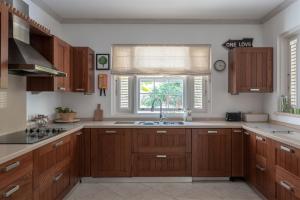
[[138, 110], [297, 71]]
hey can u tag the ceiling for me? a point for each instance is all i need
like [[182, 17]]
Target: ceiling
[[68, 10]]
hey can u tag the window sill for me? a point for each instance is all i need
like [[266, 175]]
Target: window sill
[[287, 114]]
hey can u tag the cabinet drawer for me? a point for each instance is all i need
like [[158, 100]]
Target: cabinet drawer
[[287, 185], [162, 164], [15, 168], [288, 158], [261, 146], [61, 182], [162, 140], [20, 189]]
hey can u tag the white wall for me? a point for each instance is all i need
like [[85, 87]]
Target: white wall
[[101, 37], [45, 102], [284, 22]]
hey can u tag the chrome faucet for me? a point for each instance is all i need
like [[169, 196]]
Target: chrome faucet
[[161, 116]]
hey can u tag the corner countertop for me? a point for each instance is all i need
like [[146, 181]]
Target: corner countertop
[[11, 151]]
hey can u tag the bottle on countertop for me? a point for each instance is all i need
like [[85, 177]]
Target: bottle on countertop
[[98, 115], [187, 115]]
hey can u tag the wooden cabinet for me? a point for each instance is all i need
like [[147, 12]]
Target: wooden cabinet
[[211, 152], [75, 158], [110, 152], [3, 47], [237, 153], [287, 172], [16, 178], [62, 61], [83, 72], [58, 52], [85, 153], [162, 152], [52, 169], [250, 70], [250, 157], [161, 165]]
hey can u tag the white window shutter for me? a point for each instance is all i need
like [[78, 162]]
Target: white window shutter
[[123, 94], [199, 91], [293, 72]]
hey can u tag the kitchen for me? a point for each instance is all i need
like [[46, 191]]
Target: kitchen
[[134, 153]]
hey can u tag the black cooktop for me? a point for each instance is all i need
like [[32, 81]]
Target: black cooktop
[[30, 136]]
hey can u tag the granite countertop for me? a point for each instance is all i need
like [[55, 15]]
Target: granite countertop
[[11, 151]]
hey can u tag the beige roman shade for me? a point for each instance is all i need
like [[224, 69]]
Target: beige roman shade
[[161, 59]]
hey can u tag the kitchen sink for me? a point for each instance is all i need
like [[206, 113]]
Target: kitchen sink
[[124, 122], [157, 123]]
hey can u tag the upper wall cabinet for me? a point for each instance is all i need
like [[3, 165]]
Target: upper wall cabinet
[[250, 70], [57, 52], [3, 47], [83, 72]]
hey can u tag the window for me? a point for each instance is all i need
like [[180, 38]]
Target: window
[[170, 90], [293, 72], [177, 75]]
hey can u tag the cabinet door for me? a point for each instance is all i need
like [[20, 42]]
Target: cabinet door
[[110, 152], [211, 152], [250, 157], [79, 73], [21, 189], [91, 72], [85, 153], [237, 166], [161, 165], [61, 182], [161, 140], [62, 62], [75, 158], [4, 47]]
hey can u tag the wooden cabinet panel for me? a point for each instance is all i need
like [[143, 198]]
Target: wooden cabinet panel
[[110, 152], [211, 152], [20, 189], [250, 157], [237, 152], [288, 158], [75, 158], [85, 153], [52, 169], [62, 61], [3, 47], [250, 70], [162, 165], [287, 185], [161, 140], [83, 69]]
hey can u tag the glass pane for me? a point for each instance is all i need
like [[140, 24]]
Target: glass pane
[[175, 87], [175, 102], [146, 100], [146, 86]]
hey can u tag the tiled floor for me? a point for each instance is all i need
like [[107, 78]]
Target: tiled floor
[[164, 191]]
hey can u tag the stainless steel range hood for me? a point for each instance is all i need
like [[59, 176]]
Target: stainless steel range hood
[[23, 59]]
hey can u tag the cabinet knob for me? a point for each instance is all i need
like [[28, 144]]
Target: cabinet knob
[[56, 178], [58, 144], [237, 131], [161, 156], [254, 89], [61, 88], [260, 138], [161, 131], [80, 89], [286, 149], [11, 191], [110, 131], [260, 168]]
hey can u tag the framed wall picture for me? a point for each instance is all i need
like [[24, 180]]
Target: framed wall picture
[[102, 62]]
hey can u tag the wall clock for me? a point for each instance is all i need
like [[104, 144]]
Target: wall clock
[[220, 65]]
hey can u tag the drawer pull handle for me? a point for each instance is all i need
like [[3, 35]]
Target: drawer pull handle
[[247, 133], [254, 89], [260, 168], [56, 178], [11, 167], [161, 156], [110, 131], [260, 138], [61, 88], [237, 131], [286, 185], [11, 191], [79, 89], [286, 149], [212, 131], [161, 131], [58, 144], [79, 133]]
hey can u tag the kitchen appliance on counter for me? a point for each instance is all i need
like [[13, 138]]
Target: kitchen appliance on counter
[[256, 117], [233, 116], [30, 136]]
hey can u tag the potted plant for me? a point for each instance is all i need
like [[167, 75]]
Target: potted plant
[[65, 114]]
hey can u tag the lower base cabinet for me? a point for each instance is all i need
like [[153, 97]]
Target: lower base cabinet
[[161, 165], [211, 152], [110, 152]]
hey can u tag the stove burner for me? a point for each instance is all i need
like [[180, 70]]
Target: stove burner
[[43, 132]]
